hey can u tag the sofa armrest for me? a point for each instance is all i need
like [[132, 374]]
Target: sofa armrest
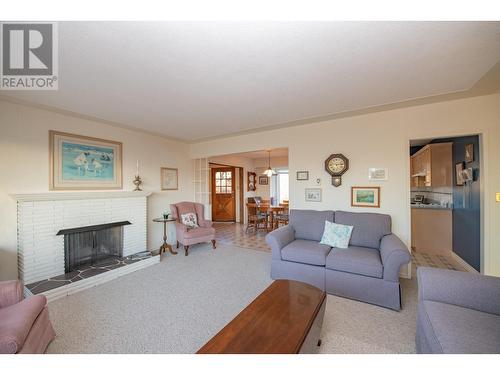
[[394, 254], [278, 239], [11, 292], [473, 291]]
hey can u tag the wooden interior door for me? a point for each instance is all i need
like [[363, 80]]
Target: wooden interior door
[[223, 194]]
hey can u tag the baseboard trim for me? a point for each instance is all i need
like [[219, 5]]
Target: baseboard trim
[[463, 263]]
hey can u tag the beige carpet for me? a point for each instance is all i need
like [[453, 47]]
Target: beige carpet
[[355, 327], [177, 305]]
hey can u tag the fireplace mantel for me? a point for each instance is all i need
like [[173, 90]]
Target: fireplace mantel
[[55, 196]]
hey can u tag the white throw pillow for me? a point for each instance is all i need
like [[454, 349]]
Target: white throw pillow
[[189, 220], [336, 235]]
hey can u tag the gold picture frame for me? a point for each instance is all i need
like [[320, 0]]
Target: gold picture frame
[[365, 196], [78, 162], [169, 178]]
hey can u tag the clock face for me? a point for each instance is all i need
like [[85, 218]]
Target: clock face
[[336, 164]]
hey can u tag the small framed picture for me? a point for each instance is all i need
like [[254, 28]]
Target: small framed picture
[[365, 196], [263, 180], [302, 175], [313, 195], [469, 153], [169, 179], [377, 174], [459, 179]]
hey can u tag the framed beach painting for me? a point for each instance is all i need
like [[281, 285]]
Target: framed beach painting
[[84, 163], [365, 196], [169, 179]]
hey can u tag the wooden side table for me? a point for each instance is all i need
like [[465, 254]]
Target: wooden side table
[[165, 244]]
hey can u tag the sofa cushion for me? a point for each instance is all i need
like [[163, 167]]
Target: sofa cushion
[[336, 235], [309, 224], [455, 329], [305, 251], [359, 260], [16, 321], [199, 232], [369, 228]]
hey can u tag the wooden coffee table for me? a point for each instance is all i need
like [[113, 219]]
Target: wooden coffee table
[[285, 319]]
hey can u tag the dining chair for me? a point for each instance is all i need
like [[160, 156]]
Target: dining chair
[[255, 218], [281, 217]]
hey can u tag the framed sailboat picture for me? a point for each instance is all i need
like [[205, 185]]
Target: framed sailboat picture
[[84, 163]]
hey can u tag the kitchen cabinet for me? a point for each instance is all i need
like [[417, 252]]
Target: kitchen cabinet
[[431, 230], [432, 166]]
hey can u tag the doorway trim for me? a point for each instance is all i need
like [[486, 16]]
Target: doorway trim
[[213, 172], [485, 248], [241, 194]]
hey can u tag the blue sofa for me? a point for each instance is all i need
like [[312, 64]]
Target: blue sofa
[[367, 271], [458, 312]]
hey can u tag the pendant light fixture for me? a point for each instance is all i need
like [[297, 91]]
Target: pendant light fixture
[[269, 171]]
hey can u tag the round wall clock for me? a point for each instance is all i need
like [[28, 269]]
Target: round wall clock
[[336, 165]]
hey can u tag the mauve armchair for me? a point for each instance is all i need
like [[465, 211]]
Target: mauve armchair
[[190, 236], [25, 327]]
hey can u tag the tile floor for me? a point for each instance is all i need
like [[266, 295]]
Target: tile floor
[[234, 234], [433, 260]]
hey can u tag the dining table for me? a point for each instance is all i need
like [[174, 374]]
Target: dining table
[[271, 210]]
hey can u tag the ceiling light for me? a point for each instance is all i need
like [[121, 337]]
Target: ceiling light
[[269, 171]]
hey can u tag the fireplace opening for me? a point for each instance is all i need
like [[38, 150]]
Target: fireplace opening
[[92, 245]]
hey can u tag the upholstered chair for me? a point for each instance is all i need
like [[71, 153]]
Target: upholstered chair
[[25, 327], [190, 236]]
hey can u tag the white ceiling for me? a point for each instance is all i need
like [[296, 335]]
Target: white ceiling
[[197, 80]]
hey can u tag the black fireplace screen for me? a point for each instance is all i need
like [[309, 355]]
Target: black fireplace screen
[[92, 247]]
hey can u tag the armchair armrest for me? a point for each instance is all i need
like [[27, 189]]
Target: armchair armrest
[[278, 239], [206, 223], [469, 290], [180, 228], [11, 292], [394, 254]]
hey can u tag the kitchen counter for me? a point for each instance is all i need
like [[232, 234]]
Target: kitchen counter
[[430, 207], [431, 229]]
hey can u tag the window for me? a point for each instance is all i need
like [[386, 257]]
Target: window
[[279, 186], [223, 182]]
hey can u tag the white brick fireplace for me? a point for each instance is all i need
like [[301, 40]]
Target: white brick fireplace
[[41, 216]]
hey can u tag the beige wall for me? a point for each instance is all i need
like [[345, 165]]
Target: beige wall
[[381, 139], [24, 167]]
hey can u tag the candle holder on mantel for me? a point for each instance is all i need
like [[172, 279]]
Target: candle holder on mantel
[[137, 182]]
